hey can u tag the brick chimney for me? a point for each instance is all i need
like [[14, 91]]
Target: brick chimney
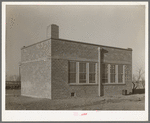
[[53, 31]]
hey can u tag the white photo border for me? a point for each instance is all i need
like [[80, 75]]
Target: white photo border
[[64, 115]]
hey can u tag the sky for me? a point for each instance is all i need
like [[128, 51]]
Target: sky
[[111, 25]]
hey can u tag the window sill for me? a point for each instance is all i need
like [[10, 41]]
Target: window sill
[[113, 84], [83, 84]]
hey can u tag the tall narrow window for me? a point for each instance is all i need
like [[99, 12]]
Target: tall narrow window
[[120, 73], [105, 73], [92, 72], [82, 72], [112, 74], [72, 72]]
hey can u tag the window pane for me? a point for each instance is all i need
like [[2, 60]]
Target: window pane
[[120, 78], [120, 73], [92, 72], [105, 73], [82, 77], [82, 67], [112, 69], [72, 67], [120, 69], [82, 81], [105, 80], [92, 67], [72, 72], [82, 72], [112, 78], [72, 77], [104, 68], [112, 74], [91, 78], [106, 76]]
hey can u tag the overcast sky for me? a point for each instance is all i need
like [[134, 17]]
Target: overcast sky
[[118, 26]]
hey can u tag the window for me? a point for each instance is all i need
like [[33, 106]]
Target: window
[[72, 94], [120, 73], [112, 74], [105, 73], [92, 72], [82, 72], [72, 72]]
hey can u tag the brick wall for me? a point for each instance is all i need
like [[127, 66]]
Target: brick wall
[[63, 51], [36, 79], [60, 85], [36, 51], [36, 70], [118, 56], [73, 51], [114, 55]]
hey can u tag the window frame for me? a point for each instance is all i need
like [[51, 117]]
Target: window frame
[[116, 66], [86, 72], [120, 73], [72, 72], [112, 73], [83, 72], [93, 72], [105, 73]]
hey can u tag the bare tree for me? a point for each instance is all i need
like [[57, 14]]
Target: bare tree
[[139, 77], [143, 82], [140, 74], [134, 82]]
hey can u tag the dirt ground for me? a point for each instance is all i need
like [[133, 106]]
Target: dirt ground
[[14, 101]]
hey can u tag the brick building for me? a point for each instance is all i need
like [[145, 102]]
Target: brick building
[[58, 68]]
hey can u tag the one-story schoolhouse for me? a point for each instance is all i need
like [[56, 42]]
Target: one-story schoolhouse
[[58, 68]]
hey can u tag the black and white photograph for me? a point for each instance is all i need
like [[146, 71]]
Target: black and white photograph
[[85, 59]]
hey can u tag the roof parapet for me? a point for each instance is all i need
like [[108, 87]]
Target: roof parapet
[[130, 49]]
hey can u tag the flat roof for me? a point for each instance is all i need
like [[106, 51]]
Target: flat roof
[[130, 49]]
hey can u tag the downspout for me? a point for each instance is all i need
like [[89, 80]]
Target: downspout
[[99, 71]]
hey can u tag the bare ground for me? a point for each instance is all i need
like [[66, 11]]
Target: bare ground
[[14, 101]]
